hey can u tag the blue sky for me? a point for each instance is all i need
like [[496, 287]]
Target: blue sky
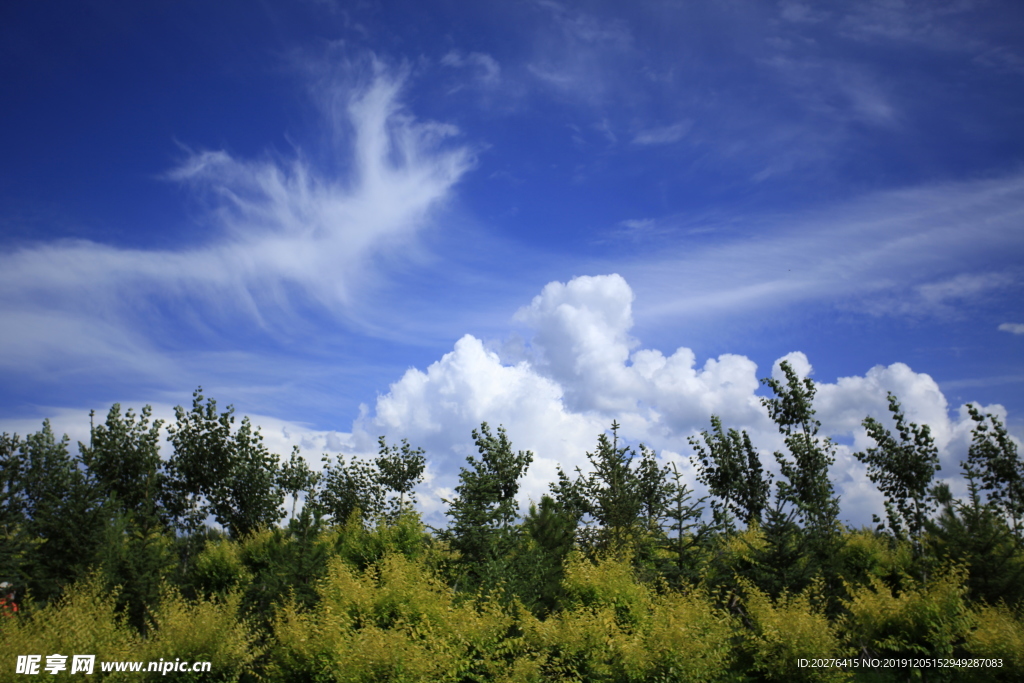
[[403, 218]]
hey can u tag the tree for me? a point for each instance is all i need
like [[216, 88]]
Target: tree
[[201, 461], [399, 470], [801, 529], [730, 467], [484, 508], [993, 456], [214, 472], [296, 477], [349, 489], [903, 470], [250, 498], [685, 530], [61, 514], [807, 486], [123, 457]]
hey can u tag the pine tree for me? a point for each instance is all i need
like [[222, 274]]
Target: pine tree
[[484, 509]]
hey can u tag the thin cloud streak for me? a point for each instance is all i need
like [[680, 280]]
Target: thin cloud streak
[[894, 243], [284, 233]]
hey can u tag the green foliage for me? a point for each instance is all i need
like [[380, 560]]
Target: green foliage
[[802, 527], [136, 559], [484, 508], [393, 621], [686, 532], [806, 485], [615, 629], [399, 470], [205, 630], [53, 515], [929, 620], [123, 458], [355, 589], [730, 467], [296, 477], [220, 569], [780, 632], [347, 489], [231, 476], [975, 534], [549, 538], [993, 457], [903, 471], [998, 633]]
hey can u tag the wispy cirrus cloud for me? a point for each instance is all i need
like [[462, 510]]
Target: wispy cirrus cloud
[[887, 253], [285, 234], [663, 135]]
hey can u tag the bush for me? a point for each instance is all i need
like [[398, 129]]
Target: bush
[[781, 632], [82, 622], [998, 633]]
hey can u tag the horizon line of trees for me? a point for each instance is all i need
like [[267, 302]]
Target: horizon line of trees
[[142, 521]]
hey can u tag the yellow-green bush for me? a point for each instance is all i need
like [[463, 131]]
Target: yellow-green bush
[[782, 632], [207, 630], [82, 622], [220, 568], [928, 620], [688, 639], [615, 629], [394, 621], [866, 554], [998, 633], [609, 582]]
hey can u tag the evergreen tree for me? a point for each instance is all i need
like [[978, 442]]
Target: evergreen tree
[[612, 492], [685, 529], [484, 508], [802, 527], [62, 513], [550, 532]]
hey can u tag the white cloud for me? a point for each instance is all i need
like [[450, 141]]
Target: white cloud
[[885, 253], [487, 69], [1012, 328], [580, 369], [664, 135], [285, 234]]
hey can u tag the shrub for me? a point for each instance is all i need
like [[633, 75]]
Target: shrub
[[998, 633], [783, 631], [83, 622]]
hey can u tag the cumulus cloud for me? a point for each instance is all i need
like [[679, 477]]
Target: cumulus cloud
[[1012, 328], [284, 234], [580, 368]]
